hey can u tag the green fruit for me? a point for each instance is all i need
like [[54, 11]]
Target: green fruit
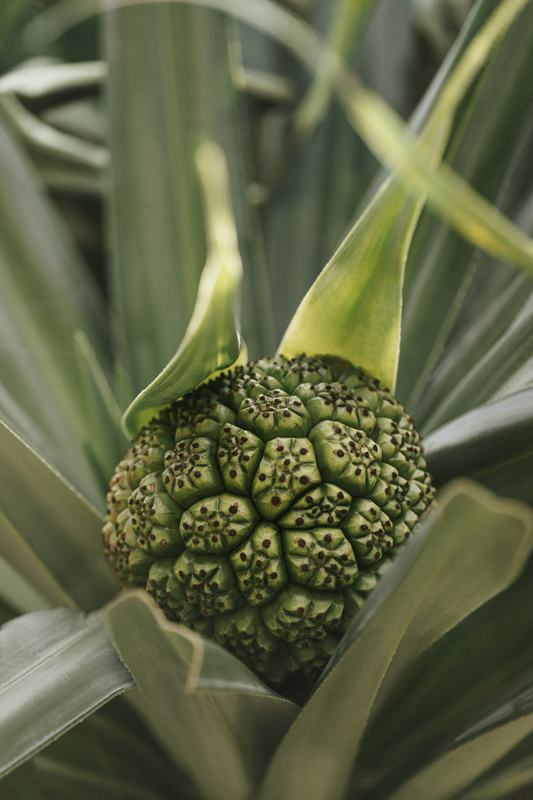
[[261, 509]]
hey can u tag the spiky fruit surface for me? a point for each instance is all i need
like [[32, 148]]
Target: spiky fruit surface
[[261, 509]]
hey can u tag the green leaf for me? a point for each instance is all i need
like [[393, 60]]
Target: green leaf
[[512, 772], [492, 444], [212, 340], [386, 135], [46, 294], [170, 88], [456, 770], [48, 533], [358, 296], [455, 296], [17, 592], [110, 751], [229, 728], [457, 561], [353, 309], [479, 673], [57, 667]]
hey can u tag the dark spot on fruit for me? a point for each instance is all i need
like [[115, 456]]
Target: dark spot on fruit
[[308, 499], [181, 574], [276, 501], [286, 413], [300, 610], [303, 451], [233, 473], [261, 476], [202, 573], [304, 480], [280, 448], [266, 543], [273, 575], [214, 586], [305, 568], [180, 484], [233, 509], [197, 474]]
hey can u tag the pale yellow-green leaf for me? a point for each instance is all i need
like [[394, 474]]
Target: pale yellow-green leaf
[[212, 341], [354, 308]]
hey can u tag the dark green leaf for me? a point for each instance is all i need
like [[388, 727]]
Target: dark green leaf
[[492, 444], [428, 591]]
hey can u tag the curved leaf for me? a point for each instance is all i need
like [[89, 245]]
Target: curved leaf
[[478, 674], [46, 294], [57, 667], [385, 134], [492, 444], [511, 773], [360, 290], [457, 769], [353, 310], [48, 532], [458, 302], [229, 728], [170, 88], [428, 591], [212, 340]]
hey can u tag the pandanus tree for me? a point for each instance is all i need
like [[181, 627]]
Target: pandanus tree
[[284, 604]]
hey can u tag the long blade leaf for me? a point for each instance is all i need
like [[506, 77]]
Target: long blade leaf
[[385, 134], [229, 729], [492, 444], [46, 294], [57, 667], [212, 340], [48, 532], [457, 769], [428, 591], [170, 88]]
